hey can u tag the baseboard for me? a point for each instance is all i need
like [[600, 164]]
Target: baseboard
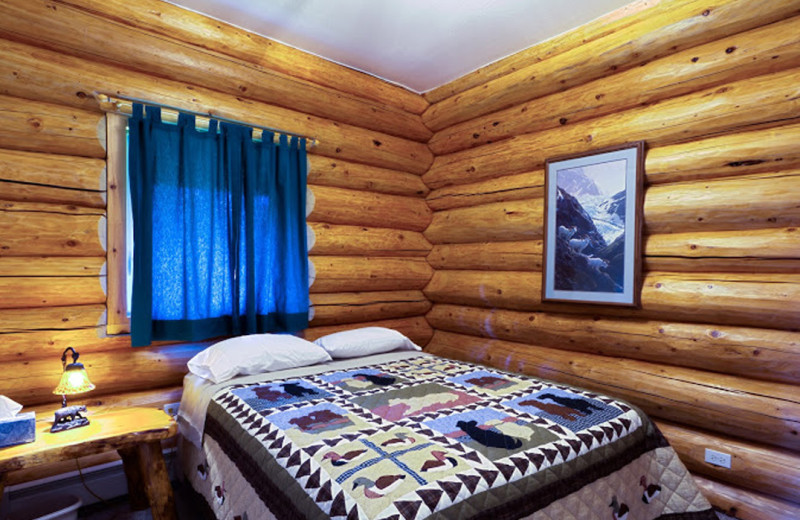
[[107, 481]]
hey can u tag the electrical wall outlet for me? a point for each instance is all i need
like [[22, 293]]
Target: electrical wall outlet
[[718, 458], [172, 409]]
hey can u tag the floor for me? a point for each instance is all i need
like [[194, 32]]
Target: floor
[[119, 509]]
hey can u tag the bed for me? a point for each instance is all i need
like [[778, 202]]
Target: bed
[[405, 435]]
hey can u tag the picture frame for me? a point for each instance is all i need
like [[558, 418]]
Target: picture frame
[[593, 225]]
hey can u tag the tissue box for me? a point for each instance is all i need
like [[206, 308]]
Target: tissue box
[[18, 429]]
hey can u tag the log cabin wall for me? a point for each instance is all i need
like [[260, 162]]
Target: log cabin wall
[[713, 354], [369, 207]]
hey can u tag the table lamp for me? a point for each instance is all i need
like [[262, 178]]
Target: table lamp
[[74, 380]]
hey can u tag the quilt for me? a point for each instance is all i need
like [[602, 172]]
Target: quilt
[[427, 437]]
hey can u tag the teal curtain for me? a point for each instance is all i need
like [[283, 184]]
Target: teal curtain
[[219, 230]]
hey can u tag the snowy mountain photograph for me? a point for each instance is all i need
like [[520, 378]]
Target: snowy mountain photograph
[[587, 249]]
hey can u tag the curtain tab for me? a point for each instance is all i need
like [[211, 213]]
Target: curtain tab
[[137, 111], [153, 114], [186, 120]]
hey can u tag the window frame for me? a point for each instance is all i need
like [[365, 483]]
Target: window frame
[[117, 321]]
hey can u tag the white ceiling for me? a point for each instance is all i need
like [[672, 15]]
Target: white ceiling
[[419, 44]]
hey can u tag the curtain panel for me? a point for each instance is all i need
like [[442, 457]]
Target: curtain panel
[[219, 230]]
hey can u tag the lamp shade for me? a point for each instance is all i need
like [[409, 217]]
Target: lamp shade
[[74, 380]]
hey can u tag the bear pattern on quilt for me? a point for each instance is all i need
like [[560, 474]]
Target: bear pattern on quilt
[[411, 438]]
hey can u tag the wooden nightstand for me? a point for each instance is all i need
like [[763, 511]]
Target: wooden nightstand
[[136, 434]]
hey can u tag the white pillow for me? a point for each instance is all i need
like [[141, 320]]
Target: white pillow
[[253, 354], [364, 341]]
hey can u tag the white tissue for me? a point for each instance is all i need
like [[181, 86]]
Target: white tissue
[[8, 407]]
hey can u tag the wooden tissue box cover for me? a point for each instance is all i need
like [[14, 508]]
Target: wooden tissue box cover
[[18, 429]]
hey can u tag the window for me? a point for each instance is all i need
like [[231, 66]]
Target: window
[[221, 221]]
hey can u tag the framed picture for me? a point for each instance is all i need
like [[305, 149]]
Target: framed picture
[[592, 226]]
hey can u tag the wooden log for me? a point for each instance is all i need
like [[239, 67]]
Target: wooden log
[[33, 344], [763, 50], [45, 127], [333, 239], [31, 72], [738, 203], [157, 489], [498, 221], [201, 31], [750, 250], [515, 290], [363, 208], [744, 504], [488, 256], [49, 344], [617, 20], [765, 412], [769, 355], [64, 179], [28, 229], [721, 265], [150, 398], [353, 273], [32, 382], [52, 266], [769, 150], [50, 291], [343, 174], [752, 300], [743, 299], [43, 471], [528, 185], [81, 33], [684, 26], [416, 329], [55, 318], [57, 171], [338, 308], [758, 243], [767, 100], [134, 477], [755, 467], [23, 192]]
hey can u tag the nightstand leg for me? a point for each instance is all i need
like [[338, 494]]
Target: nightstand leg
[[3, 478], [149, 474], [133, 474]]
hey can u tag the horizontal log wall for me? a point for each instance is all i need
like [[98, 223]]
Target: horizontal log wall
[[714, 351], [628, 15], [136, 48], [369, 207], [30, 72], [677, 25]]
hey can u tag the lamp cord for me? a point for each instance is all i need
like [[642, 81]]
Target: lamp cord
[[83, 481]]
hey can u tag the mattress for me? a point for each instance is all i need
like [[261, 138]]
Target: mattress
[[407, 435]]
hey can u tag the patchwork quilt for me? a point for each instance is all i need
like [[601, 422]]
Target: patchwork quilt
[[427, 437]]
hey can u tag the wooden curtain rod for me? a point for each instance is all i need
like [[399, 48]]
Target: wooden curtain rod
[[124, 105]]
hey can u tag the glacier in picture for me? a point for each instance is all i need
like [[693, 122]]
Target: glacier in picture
[[590, 227]]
